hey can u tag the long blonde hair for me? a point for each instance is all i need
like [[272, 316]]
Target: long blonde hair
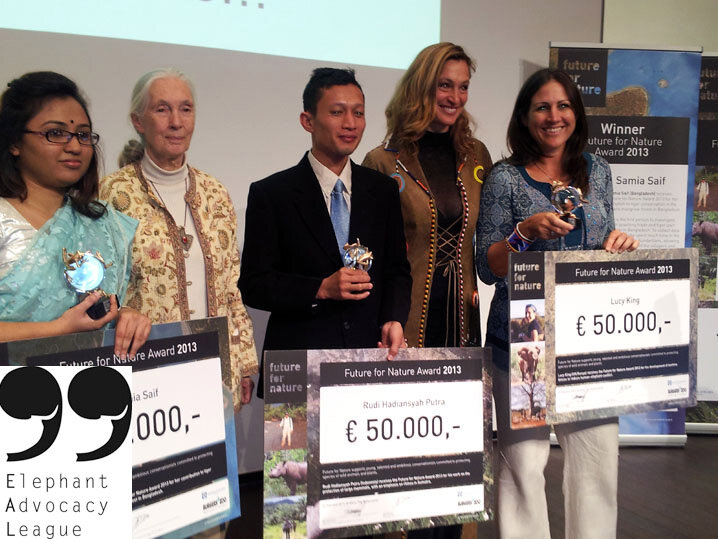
[[412, 107]]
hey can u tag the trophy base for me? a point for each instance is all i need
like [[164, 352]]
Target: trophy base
[[575, 222], [100, 308]]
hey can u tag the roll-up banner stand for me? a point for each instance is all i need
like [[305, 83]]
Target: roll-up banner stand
[[642, 107], [703, 418]]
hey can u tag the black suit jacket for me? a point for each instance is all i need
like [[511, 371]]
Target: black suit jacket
[[289, 247]]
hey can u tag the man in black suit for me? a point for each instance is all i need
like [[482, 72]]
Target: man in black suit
[[292, 264]]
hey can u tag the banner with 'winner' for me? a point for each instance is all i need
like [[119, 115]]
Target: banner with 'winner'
[[642, 108]]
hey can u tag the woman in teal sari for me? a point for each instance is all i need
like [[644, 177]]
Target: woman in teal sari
[[48, 191]]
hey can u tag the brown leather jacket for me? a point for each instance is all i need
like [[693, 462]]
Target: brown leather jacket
[[419, 213]]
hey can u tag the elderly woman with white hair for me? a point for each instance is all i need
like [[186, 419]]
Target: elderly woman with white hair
[[185, 255]]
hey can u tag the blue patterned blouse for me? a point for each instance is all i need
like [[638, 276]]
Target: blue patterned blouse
[[508, 197]]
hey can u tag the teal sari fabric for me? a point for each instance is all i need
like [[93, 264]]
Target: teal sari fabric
[[35, 289]]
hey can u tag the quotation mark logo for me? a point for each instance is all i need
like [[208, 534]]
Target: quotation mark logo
[[94, 392]]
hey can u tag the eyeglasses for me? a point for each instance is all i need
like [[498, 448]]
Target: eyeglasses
[[62, 136]]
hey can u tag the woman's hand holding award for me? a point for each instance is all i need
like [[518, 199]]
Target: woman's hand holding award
[[84, 273]]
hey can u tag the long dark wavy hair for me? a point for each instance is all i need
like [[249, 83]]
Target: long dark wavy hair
[[524, 148], [23, 99]]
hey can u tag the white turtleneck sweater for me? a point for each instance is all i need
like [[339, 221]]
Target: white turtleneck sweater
[[171, 187]]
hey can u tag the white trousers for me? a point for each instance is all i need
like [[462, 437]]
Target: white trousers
[[590, 474]]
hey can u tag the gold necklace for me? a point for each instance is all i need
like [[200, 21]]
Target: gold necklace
[[553, 182]]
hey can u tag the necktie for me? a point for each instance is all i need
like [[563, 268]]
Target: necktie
[[340, 215]]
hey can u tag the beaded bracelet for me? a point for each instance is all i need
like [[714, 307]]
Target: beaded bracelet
[[509, 247], [517, 242]]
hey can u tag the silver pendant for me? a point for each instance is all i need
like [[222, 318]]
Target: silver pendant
[[185, 238]]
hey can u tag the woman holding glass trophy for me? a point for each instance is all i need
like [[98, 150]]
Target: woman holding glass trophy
[[549, 195], [64, 256]]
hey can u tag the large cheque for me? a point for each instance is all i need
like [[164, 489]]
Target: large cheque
[[598, 335], [356, 445], [184, 460]]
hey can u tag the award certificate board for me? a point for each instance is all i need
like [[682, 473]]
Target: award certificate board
[[184, 460], [357, 445], [619, 334]]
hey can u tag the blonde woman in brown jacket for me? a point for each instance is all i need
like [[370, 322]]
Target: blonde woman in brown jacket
[[429, 150]]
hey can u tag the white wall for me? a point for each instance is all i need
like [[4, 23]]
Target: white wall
[[509, 40], [248, 104], [673, 23]]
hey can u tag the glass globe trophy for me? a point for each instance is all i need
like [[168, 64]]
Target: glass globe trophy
[[566, 199], [84, 273], [357, 256]]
